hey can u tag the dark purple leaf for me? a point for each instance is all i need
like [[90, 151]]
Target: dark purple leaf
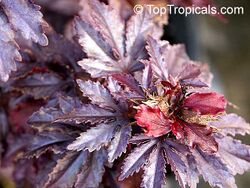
[[61, 6], [235, 154], [98, 94], [115, 88], [93, 170], [64, 174], [190, 71], [45, 115], [18, 146], [109, 24], [171, 63], [87, 113], [9, 50], [47, 140], [194, 83], [177, 160], [45, 170], [19, 13], [138, 28], [4, 125], [231, 124], [94, 138], [213, 170], [112, 44], [157, 62], [147, 77], [137, 159], [139, 139], [192, 172], [62, 107], [120, 141], [155, 169], [39, 85], [130, 82], [59, 49]]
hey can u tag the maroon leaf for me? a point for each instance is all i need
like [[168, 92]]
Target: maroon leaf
[[206, 103], [199, 135]]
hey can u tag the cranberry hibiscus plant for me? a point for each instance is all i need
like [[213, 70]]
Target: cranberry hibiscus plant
[[146, 106]]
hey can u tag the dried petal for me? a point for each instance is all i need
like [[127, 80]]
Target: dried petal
[[153, 120], [206, 103]]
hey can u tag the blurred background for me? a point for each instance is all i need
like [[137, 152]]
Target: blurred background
[[224, 45]]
